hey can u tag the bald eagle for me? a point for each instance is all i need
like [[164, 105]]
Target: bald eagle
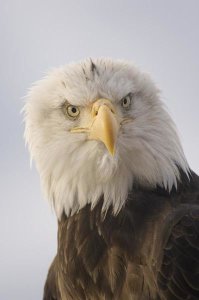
[[112, 166]]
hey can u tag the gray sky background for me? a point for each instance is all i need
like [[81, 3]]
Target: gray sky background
[[162, 37]]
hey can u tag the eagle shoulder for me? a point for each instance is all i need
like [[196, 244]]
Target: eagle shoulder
[[178, 277], [179, 274]]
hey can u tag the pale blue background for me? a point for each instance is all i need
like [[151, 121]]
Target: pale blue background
[[162, 37]]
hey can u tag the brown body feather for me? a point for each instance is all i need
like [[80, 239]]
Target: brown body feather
[[149, 251]]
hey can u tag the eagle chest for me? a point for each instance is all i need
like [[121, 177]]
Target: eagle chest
[[105, 258]]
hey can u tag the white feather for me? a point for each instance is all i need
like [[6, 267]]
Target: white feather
[[75, 171]]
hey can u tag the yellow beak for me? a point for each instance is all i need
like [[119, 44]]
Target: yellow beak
[[105, 124]]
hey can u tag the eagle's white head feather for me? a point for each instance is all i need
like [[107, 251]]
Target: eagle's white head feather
[[75, 170]]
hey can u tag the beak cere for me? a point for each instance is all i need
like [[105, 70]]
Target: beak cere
[[105, 124]]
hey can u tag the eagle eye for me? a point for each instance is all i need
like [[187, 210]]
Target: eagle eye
[[126, 101], [72, 111]]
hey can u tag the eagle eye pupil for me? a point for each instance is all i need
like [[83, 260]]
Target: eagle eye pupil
[[74, 110], [125, 101]]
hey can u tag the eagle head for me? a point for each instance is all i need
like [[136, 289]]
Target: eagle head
[[95, 128]]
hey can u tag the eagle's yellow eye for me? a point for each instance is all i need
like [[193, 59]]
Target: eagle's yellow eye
[[72, 111], [126, 101]]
